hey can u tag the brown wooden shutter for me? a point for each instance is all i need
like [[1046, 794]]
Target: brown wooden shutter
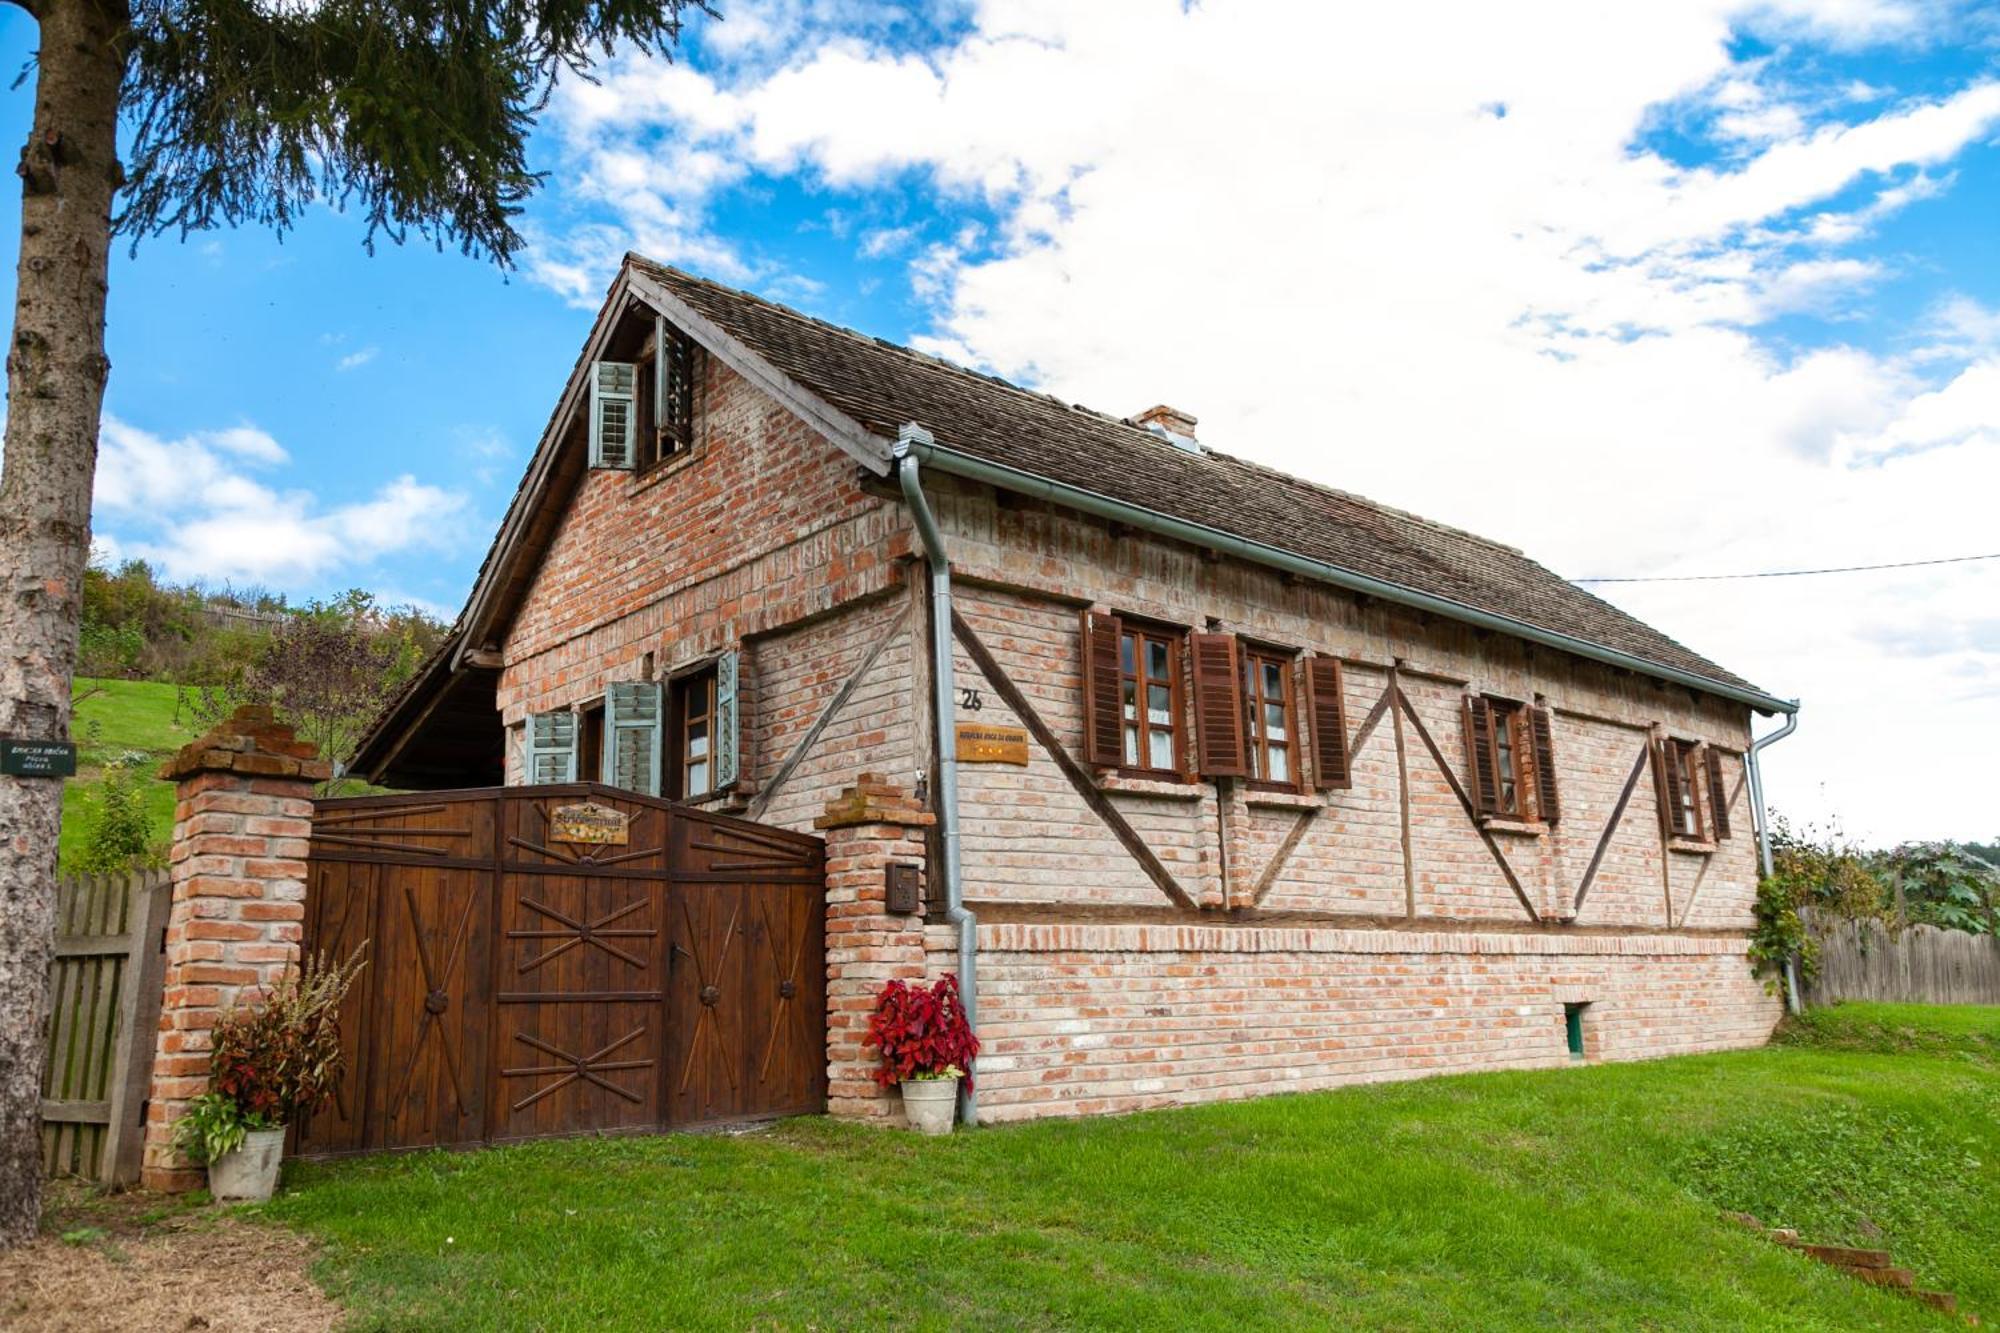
[[1103, 720], [1669, 800], [1541, 730], [1479, 751], [1218, 706], [1326, 699], [1718, 794]]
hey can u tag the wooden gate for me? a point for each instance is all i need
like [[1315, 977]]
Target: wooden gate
[[562, 960]]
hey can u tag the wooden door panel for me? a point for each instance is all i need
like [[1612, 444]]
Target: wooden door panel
[[340, 919], [788, 1002], [707, 933], [428, 1082], [580, 1029], [747, 1000]]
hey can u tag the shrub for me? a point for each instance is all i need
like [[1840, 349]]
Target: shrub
[[282, 1058], [922, 1032], [121, 836]]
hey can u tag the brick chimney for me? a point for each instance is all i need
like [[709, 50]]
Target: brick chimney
[[1171, 420]]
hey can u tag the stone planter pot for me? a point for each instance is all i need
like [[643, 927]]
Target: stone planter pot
[[930, 1104], [250, 1174]]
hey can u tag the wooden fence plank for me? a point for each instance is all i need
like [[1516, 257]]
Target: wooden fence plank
[[104, 988], [139, 1017], [1863, 960]]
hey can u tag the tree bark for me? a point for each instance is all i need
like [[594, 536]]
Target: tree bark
[[56, 368]]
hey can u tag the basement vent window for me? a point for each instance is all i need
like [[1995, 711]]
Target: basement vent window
[[1573, 1029]]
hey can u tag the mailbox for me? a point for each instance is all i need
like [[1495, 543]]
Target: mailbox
[[903, 897]]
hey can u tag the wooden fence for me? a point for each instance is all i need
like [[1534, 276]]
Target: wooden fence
[[1862, 960], [104, 997]]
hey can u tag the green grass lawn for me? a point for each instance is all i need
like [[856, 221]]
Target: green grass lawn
[[1578, 1198], [132, 718]]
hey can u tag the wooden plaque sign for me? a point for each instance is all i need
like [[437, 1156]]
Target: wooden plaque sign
[[984, 743], [37, 759], [597, 825]]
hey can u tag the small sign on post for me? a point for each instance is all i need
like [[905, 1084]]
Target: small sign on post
[[37, 759]]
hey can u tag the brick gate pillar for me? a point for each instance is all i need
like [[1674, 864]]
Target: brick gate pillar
[[869, 827], [242, 823]]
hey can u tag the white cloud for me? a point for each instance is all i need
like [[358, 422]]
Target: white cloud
[[189, 507], [885, 241], [1447, 274], [357, 359]]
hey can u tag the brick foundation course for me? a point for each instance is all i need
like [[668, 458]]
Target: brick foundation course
[[242, 825], [1084, 1020]]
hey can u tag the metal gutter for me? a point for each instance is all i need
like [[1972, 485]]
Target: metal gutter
[[956, 464], [915, 438], [1754, 770]]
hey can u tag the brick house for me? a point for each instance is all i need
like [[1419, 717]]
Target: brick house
[[1241, 784]]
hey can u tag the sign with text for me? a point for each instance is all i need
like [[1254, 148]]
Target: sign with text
[[984, 743], [36, 759], [591, 824]]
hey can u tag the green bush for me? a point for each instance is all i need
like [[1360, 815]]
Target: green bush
[[119, 837]]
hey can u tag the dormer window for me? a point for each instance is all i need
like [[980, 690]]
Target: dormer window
[[642, 412]]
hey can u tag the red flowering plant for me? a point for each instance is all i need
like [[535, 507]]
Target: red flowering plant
[[922, 1032], [272, 1062]]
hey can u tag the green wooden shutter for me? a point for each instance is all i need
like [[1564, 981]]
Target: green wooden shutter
[[614, 394], [632, 712], [726, 712], [662, 336], [552, 747]]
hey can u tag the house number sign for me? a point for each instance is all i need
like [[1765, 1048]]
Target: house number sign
[[37, 759], [984, 743], [590, 823]]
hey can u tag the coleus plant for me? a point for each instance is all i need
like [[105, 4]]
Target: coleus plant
[[282, 1058], [921, 1032]]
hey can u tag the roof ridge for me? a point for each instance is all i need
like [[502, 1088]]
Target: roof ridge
[[1006, 424], [1140, 432]]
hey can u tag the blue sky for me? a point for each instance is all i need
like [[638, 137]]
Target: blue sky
[[1704, 288]]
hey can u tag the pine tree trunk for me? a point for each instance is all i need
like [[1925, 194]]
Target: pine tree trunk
[[56, 370]]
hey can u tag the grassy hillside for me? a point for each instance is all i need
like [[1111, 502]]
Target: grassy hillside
[[117, 719], [120, 720], [1577, 1198]]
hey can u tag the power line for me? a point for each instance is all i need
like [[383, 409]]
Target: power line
[[1795, 573]]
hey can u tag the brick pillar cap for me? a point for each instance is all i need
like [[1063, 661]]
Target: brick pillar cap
[[251, 741], [874, 799]]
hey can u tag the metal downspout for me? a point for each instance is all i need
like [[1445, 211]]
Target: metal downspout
[[944, 699], [1757, 809]]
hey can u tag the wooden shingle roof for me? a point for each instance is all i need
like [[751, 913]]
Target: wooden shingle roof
[[882, 386]]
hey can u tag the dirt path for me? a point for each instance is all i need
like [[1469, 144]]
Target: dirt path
[[139, 1262]]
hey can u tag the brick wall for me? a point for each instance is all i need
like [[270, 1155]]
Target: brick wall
[[1023, 574], [1083, 1020], [242, 823], [760, 540]]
